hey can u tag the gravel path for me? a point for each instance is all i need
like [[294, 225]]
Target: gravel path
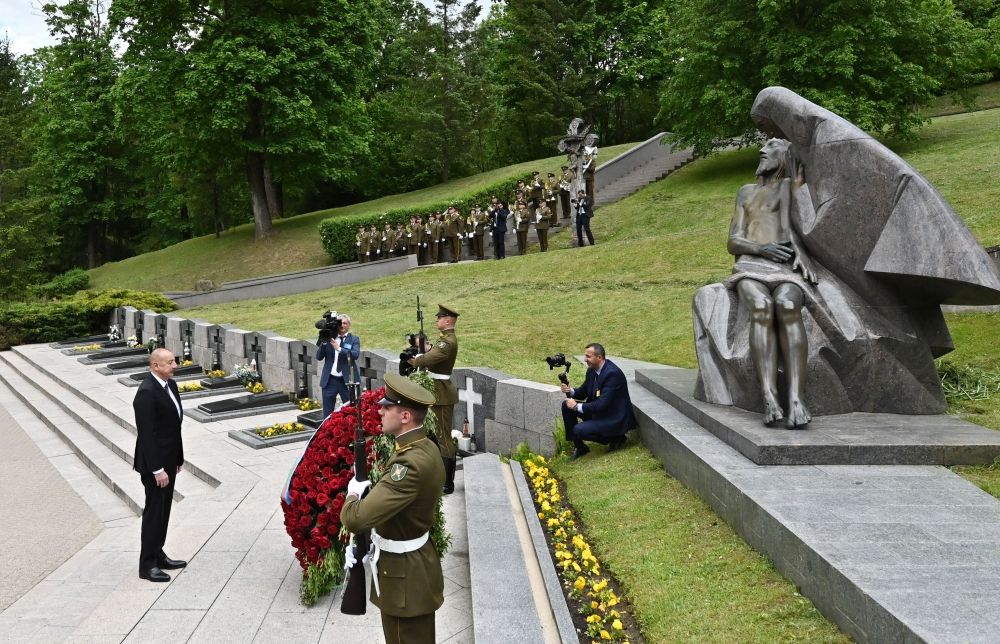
[[43, 522]]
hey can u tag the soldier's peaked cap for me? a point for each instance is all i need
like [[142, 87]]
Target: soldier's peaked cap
[[446, 311], [400, 390]]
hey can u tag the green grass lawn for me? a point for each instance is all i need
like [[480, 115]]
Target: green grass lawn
[[294, 243], [987, 97], [688, 575]]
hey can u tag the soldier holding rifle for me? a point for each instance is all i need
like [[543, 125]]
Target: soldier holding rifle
[[407, 582]]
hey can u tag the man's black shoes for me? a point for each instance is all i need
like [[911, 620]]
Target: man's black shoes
[[580, 451], [616, 443], [166, 563], [154, 574]]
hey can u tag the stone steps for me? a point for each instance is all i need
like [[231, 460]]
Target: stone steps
[[503, 544], [642, 177], [59, 379], [103, 445]]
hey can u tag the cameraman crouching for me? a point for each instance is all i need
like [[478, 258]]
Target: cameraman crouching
[[337, 353], [600, 411]]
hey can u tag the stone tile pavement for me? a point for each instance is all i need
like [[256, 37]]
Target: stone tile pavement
[[241, 584]]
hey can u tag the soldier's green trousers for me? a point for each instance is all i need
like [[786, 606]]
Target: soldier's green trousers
[[408, 630]]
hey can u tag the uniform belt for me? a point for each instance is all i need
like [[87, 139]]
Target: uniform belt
[[439, 376], [380, 543]]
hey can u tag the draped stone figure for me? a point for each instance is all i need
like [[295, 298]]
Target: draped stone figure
[[844, 255]]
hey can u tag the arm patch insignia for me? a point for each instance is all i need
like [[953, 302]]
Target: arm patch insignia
[[398, 472]]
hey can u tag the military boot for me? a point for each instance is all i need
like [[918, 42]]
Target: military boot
[[449, 475]]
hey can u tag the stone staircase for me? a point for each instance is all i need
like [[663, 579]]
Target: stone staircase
[[641, 166]]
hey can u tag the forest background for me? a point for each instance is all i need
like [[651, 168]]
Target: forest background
[[148, 123]]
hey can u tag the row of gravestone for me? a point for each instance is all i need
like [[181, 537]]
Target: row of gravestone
[[501, 411]]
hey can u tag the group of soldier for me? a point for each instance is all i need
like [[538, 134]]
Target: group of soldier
[[536, 202]]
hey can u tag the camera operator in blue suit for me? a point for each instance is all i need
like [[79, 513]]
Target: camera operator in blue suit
[[337, 352], [600, 410]]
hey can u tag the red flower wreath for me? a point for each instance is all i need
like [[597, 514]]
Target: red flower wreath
[[316, 492]]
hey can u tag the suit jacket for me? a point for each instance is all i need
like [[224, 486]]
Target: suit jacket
[[587, 205], [349, 348], [158, 444], [606, 402], [500, 221]]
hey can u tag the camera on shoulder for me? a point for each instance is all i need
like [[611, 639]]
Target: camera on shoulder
[[328, 325]]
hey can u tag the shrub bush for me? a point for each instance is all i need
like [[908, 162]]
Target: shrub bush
[[84, 313], [338, 234], [73, 280]]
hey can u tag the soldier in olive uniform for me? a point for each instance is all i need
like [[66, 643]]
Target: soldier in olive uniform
[[542, 218], [523, 225], [439, 360], [400, 237], [536, 193], [359, 241], [451, 232], [551, 198], [407, 583], [480, 222], [413, 236], [566, 190], [375, 243]]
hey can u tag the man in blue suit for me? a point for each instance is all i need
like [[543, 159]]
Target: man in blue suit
[[336, 354], [600, 411]]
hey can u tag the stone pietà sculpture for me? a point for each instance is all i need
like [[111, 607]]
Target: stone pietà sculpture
[[844, 255]]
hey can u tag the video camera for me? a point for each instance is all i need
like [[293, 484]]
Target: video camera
[[559, 360], [328, 325], [415, 342]]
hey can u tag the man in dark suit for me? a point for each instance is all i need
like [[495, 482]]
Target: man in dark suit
[[159, 455], [499, 224], [601, 410], [584, 212], [336, 354]]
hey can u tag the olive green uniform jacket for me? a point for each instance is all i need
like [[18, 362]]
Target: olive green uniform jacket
[[441, 359], [401, 506]]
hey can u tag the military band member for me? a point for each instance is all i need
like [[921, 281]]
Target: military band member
[[434, 226], [374, 243], [542, 219], [480, 224], [536, 192], [452, 232], [361, 241], [439, 360], [428, 240], [413, 237], [400, 247], [407, 581], [551, 193], [523, 225], [566, 180], [590, 163], [388, 240]]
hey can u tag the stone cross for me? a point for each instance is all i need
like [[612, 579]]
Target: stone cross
[[218, 339], [304, 360], [255, 347], [161, 331], [138, 327], [368, 372], [471, 398]]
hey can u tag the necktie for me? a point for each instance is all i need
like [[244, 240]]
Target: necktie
[[170, 394]]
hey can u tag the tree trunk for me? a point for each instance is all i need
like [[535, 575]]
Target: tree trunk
[[216, 213], [258, 195], [274, 196], [92, 245]]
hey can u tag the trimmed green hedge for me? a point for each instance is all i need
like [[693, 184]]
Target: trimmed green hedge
[[85, 313], [73, 280], [339, 233]]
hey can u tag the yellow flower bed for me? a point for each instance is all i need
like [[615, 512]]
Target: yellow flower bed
[[574, 558], [87, 347], [185, 387], [217, 373], [186, 363], [309, 404], [256, 388], [279, 429]]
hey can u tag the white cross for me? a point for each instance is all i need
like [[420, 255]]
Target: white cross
[[471, 398]]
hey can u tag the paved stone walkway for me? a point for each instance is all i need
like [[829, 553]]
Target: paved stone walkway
[[44, 521], [241, 584]]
